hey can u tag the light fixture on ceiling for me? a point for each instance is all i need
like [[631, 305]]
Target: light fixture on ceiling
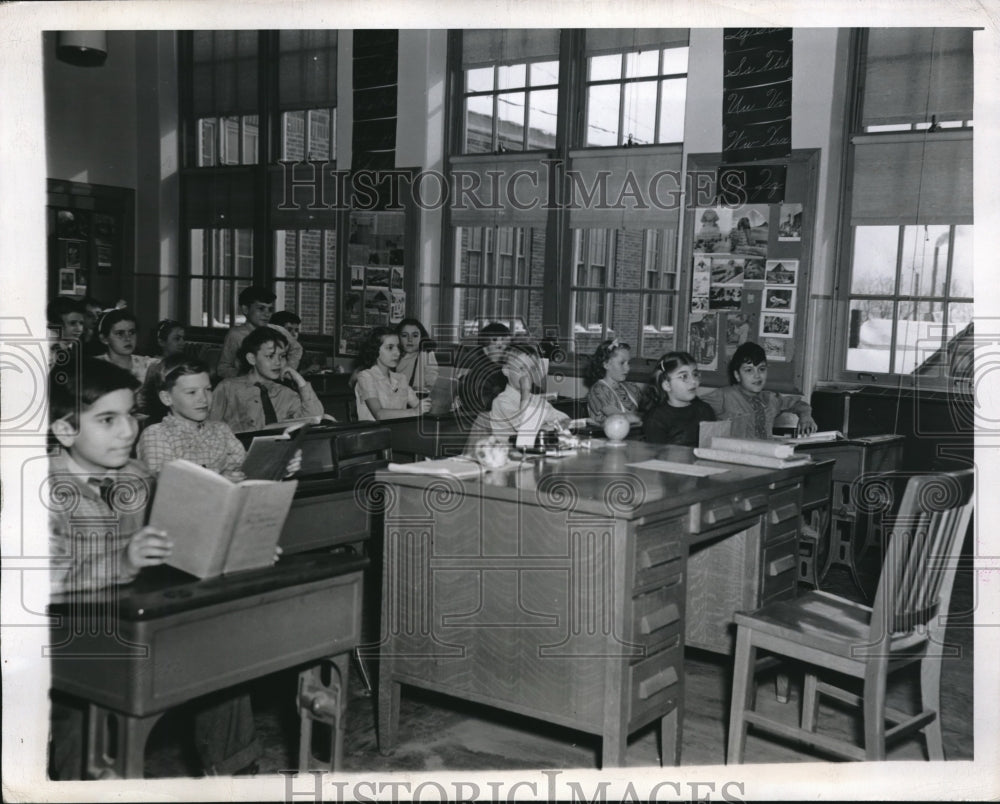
[[82, 48]]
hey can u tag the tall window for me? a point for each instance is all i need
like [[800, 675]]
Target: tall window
[[239, 87], [909, 288], [636, 96], [614, 265]]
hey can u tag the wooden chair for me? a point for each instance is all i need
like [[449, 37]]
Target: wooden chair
[[904, 625]]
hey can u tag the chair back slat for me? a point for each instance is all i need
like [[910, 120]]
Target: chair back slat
[[922, 549]]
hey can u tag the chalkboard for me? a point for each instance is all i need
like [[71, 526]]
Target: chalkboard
[[747, 269]]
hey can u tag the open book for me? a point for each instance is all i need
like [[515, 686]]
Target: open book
[[287, 424], [218, 526], [268, 455]]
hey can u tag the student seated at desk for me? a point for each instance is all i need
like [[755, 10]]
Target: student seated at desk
[[66, 316], [513, 410], [479, 370], [380, 391], [257, 304], [610, 391], [117, 332], [91, 418], [259, 397], [416, 362], [675, 420], [751, 408], [169, 341]]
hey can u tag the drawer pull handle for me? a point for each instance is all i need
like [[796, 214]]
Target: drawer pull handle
[[654, 684], [716, 515], [660, 618], [758, 501], [780, 565], [653, 556], [783, 512]]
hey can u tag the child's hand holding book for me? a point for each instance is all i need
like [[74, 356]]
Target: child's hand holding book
[[148, 548]]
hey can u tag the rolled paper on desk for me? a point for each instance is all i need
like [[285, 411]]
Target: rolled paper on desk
[[749, 446], [749, 458]]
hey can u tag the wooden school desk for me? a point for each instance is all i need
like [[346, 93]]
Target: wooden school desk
[[567, 589], [134, 651]]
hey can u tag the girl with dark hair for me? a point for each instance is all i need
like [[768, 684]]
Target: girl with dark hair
[[416, 362], [381, 392], [117, 332], [170, 341], [610, 391], [676, 418]]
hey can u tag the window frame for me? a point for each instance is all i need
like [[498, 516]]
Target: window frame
[[855, 133], [259, 174]]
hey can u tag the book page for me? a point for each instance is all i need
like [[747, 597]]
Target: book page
[[259, 523], [771, 449], [196, 507]]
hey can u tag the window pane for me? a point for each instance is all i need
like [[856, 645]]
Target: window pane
[[639, 64], [961, 263], [672, 98], [510, 110], [479, 80], [658, 325], [589, 319], [479, 124], [207, 141], [640, 112], [544, 72], [330, 266], [602, 115], [870, 335], [605, 68], [959, 315], [511, 76], [293, 135], [542, 119], [250, 139], [874, 265], [919, 334], [675, 60], [925, 261]]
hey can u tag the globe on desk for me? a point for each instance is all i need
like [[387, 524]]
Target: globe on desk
[[616, 427]]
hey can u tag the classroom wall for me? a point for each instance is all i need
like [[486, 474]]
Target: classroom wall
[[117, 125]]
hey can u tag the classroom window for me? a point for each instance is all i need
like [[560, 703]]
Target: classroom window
[[625, 286], [907, 286], [222, 265], [500, 274], [235, 133], [614, 269]]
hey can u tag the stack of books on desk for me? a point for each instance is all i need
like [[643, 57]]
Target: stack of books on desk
[[750, 452]]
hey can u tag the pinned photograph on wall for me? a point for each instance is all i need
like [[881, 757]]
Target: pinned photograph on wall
[[357, 276], [790, 222], [378, 306], [779, 298], [777, 325], [781, 272], [732, 230], [727, 271], [724, 298], [699, 304], [753, 271], [67, 280], [703, 342], [701, 276], [737, 329], [776, 350]]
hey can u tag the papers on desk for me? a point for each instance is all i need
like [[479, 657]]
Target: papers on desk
[[818, 437], [678, 468], [450, 467]]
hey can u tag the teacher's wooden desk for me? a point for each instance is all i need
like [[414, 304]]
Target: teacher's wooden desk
[[132, 652], [567, 589]]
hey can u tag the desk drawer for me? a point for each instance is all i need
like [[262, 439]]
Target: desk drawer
[[657, 616], [712, 513], [784, 505], [779, 569], [655, 685], [659, 551]]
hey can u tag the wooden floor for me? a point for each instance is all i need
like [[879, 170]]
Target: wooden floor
[[441, 733]]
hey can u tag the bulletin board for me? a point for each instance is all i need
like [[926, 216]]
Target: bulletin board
[[748, 261]]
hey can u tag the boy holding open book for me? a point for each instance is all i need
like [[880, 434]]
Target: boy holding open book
[[93, 478]]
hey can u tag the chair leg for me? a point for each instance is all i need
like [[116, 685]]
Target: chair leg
[[930, 701], [874, 708], [743, 688], [810, 702]]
